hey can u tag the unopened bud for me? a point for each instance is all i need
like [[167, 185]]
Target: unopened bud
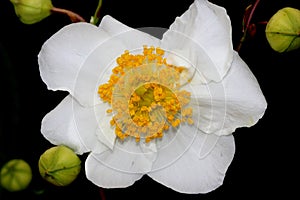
[[283, 30], [15, 175], [59, 165], [32, 11]]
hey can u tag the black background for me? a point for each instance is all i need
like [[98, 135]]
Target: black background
[[265, 163]]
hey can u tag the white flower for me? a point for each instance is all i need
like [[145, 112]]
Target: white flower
[[188, 144]]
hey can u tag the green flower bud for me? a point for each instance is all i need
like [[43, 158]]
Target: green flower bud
[[15, 175], [59, 165], [32, 11], [283, 30]]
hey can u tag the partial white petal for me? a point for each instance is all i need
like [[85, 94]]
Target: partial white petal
[[96, 70], [203, 26], [112, 26], [173, 145], [201, 168], [70, 124], [97, 67], [235, 102], [106, 177], [131, 38], [128, 156], [245, 101], [94, 121], [62, 55], [193, 57], [105, 134]]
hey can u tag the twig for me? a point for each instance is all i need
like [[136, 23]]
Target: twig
[[247, 25]]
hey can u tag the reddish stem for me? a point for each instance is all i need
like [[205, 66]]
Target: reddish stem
[[74, 17], [251, 14], [247, 26]]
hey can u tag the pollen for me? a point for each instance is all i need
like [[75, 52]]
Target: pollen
[[145, 96]]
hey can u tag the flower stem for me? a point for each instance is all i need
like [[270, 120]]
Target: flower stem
[[74, 17], [247, 25], [102, 194], [95, 19], [239, 46], [251, 13]]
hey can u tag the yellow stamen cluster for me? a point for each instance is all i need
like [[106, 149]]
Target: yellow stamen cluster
[[145, 95]]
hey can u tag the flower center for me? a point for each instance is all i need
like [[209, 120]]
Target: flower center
[[145, 96]]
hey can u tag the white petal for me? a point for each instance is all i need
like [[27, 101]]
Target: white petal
[[196, 171], [128, 156], [62, 55], [59, 127], [106, 177], [235, 102], [72, 125], [204, 26]]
